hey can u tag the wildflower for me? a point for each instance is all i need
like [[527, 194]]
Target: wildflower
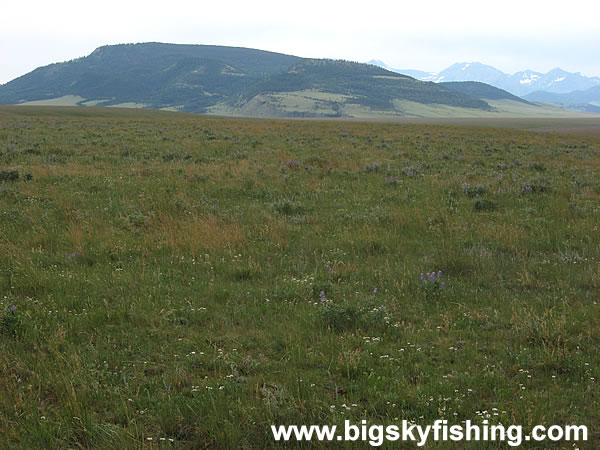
[[13, 308], [261, 355], [433, 281], [323, 296], [375, 291]]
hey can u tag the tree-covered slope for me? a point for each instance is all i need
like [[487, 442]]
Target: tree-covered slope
[[479, 90], [153, 73], [367, 85]]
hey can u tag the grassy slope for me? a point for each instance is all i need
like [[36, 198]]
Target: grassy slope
[[166, 271], [320, 104]]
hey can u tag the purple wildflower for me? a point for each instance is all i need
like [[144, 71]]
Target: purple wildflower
[[323, 296], [261, 355], [13, 308], [422, 277]]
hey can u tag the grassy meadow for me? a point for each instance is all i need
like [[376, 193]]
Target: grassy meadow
[[178, 281]]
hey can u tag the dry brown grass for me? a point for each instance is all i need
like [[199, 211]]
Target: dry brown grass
[[195, 234]]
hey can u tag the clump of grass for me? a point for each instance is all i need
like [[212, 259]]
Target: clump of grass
[[9, 175], [288, 208], [484, 205], [174, 155], [11, 322], [537, 166], [537, 186], [345, 316], [292, 164], [473, 191], [410, 171], [373, 167], [392, 180]]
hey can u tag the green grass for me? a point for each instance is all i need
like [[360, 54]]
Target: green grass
[[313, 103], [167, 272], [65, 100]]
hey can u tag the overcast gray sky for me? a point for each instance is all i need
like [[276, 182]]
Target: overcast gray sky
[[427, 35]]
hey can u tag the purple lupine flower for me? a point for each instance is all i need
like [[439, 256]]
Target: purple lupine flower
[[440, 274], [330, 270], [422, 277], [13, 308], [323, 296], [443, 285], [261, 355]]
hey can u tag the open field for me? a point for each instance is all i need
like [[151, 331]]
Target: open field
[[179, 281], [582, 125]]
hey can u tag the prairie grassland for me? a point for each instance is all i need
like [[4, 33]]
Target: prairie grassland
[[182, 281]]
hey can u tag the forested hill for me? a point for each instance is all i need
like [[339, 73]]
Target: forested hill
[[480, 90], [366, 84], [153, 74]]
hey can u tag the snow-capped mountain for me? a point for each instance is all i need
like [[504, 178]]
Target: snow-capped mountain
[[472, 72], [557, 81], [521, 83]]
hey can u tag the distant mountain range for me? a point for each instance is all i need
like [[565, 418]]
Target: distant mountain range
[[533, 86], [586, 100], [521, 83], [250, 82]]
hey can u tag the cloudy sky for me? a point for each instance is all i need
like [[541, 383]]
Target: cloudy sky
[[427, 35]]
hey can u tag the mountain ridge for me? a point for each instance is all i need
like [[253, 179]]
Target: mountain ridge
[[523, 84], [153, 73], [250, 82], [198, 78], [519, 83], [482, 91], [587, 100]]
